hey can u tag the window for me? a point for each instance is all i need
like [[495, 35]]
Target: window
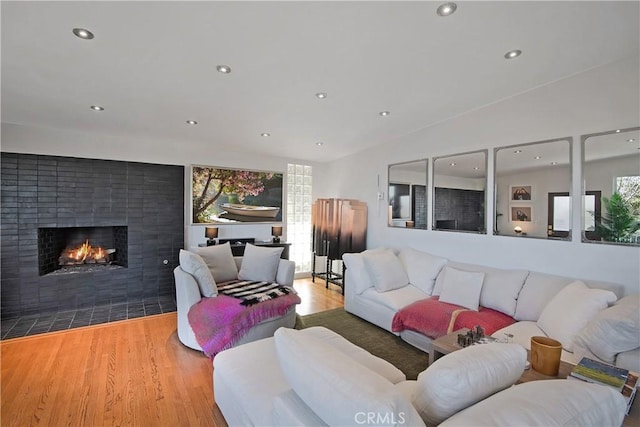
[[629, 189], [299, 186]]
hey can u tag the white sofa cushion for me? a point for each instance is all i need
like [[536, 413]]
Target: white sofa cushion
[[194, 264], [357, 275], [220, 260], [521, 333], [260, 263], [537, 292], [396, 299], [359, 354], [466, 376], [500, 288], [337, 388], [611, 331], [422, 268], [461, 287], [290, 410], [385, 270], [629, 360], [546, 403], [570, 311]]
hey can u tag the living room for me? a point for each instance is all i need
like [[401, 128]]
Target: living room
[[444, 80]]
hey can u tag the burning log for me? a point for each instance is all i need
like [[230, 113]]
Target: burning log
[[85, 254]]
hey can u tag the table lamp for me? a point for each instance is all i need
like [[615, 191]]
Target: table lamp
[[211, 233], [518, 230], [276, 232]]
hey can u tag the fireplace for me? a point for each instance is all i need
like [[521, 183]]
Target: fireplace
[[81, 249]]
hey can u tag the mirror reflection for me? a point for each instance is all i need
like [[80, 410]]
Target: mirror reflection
[[459, 192], [611, 197], [408, 194], [533, 184]]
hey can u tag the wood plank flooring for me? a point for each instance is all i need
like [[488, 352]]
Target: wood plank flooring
[[133, 372]]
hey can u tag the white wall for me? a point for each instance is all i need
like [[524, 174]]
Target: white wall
[[574, 106], [57, 142]]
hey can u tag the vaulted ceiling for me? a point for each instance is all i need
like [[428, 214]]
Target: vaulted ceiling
[[153, 65]]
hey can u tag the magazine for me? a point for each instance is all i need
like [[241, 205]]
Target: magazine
[[623, 380]]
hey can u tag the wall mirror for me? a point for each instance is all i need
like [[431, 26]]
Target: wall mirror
[[611, 192], [533, 189], [459, 192], [408, 194]]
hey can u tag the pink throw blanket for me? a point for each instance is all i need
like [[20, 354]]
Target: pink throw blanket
[[434, 319], [221, 321]]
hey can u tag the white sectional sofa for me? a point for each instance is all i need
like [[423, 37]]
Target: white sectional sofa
[[314, 377], [590, 318]]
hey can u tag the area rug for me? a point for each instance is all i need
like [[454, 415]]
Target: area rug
[[375, 340]]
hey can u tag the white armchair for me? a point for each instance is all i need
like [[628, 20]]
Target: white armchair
[[188, 293]]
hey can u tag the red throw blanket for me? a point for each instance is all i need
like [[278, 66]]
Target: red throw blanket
[[434, 319], [221, 321]]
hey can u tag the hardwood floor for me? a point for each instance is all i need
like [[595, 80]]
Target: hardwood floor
[[133, 372]]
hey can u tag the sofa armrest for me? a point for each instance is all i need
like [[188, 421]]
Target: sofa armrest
[[286, 272], [187, 294]]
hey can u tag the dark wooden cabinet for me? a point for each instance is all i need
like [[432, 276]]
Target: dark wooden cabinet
[[238, 246]]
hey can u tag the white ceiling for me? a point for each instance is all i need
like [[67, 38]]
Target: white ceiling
[[152, 65]]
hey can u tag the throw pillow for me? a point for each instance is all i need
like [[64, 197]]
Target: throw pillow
[[219, 258], [422, 268], [462, 288], [570, 311], [356, 272], [260, 263], [385, 270], [464, 377], [341, 391], [500, 288], [546, 403], [612, 331], [195, 265]]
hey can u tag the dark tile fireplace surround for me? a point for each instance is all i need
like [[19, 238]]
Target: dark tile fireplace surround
[[49, 203]]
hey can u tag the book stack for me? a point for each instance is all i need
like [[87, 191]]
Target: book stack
[[597, 372]]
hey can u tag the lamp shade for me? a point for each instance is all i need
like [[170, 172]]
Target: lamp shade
[[276, 231], [517, 229], [211, 232]]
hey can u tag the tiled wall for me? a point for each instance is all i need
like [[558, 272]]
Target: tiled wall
[[464, 206], [48, 191]]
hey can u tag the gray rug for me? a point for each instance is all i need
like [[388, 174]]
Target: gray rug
[[375, 340]]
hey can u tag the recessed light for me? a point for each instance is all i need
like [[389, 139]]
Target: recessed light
[[630, 140], [518, 151], [537, 157], [554, 163], [446, 9], [82, 33], [321, 95], [384, 113], [192, 122], [319, 143], [617, 130], [476, 168], [97, 108], [452, 164], [225, 69], [265, 134], [513, 54]]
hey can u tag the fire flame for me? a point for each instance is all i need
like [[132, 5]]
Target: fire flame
[[84, 254]]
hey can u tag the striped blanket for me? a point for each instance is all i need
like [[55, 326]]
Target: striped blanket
[[252, 292]]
